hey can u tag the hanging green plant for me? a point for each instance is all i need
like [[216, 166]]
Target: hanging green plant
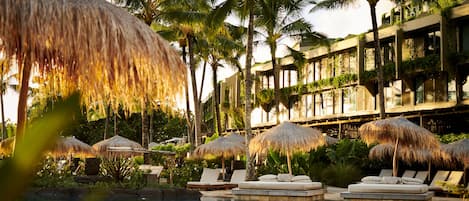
[[265, 96], [335, 82], [389, 71], [425, 65]]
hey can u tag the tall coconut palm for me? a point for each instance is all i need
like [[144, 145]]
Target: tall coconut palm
[[150, 11], [334, 4], [184, 20], [278, 19], [223, 42], [246, 12]]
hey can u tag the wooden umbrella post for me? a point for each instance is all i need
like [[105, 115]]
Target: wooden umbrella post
[[289, 163], [394, 159], [223, 167]]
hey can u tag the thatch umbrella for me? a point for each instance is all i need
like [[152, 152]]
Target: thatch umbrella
[[459, 150], [67, 146], [398, 131], [287, 138], [223, 146], [119, 144], [6, 146], [330, 140], [236, 138], [93, 46]]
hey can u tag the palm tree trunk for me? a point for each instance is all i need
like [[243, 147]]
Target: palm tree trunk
[[23, 98], [2, 90], [106, 121], [378, 65], [216, 104], [144, 125], [250, 163], [202, 81], [115, 124], [197, 112], [273, 48], [182, 43]]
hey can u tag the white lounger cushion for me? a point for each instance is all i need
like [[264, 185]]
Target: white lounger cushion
[[388, 188], [280, 185]]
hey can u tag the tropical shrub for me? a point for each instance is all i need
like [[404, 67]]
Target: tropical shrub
[[341, 174]]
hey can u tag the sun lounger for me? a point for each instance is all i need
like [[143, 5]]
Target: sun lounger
[[388, 192], [422, 175], [277, 188], [439, 177], [237, 177], [385, 172], [409, 173], [208, 180]]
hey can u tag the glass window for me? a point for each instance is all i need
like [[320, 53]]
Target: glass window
[[328, 99], [465, 89], [293, 78], [349, 100], [464, 31], [318, 105], [271, 82], [283, 78], [309, 105], [346, 63], [429, 90], [452, 90], [393, 94], [419, 97], [317, 70], [324, 67], [369, 59], [309, 75], [353, 62]]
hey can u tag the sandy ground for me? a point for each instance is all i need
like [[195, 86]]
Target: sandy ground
[[332, 194]]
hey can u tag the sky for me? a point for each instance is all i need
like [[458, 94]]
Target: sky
[[333, 23]]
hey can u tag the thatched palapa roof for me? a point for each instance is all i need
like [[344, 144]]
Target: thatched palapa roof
[[391, 129], [66, 146], [287, 138], [458, 150], [222, 146], [119, 144], [91, 45]]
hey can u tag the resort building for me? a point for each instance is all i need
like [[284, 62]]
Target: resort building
[[425, 57]]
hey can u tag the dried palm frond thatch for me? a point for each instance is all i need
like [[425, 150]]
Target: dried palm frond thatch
[[398, 131], [398, 128], [66, 146], [287, 138], [6, 146], [224, 147], [458, 150], [92, 46], [118, 145]]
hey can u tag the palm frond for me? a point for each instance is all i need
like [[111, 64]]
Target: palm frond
[[332, 4]]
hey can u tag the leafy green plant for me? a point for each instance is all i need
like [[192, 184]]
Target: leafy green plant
[[389, 70], [341, 174], [427, 64], [452, 137], [118, 168]]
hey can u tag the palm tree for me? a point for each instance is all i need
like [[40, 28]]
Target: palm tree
[[183, 22], [150, 11], [223, 43], [333, 4], [277, 19]]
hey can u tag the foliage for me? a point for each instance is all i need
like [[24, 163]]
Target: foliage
[[339, 164], [452, 137], [237, 117], [389, 70], [428, 64], [54, 173], [266, 96], [341, 174], [118, 168], [336, 82]]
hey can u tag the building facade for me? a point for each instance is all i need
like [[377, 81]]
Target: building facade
[[426, 67]]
